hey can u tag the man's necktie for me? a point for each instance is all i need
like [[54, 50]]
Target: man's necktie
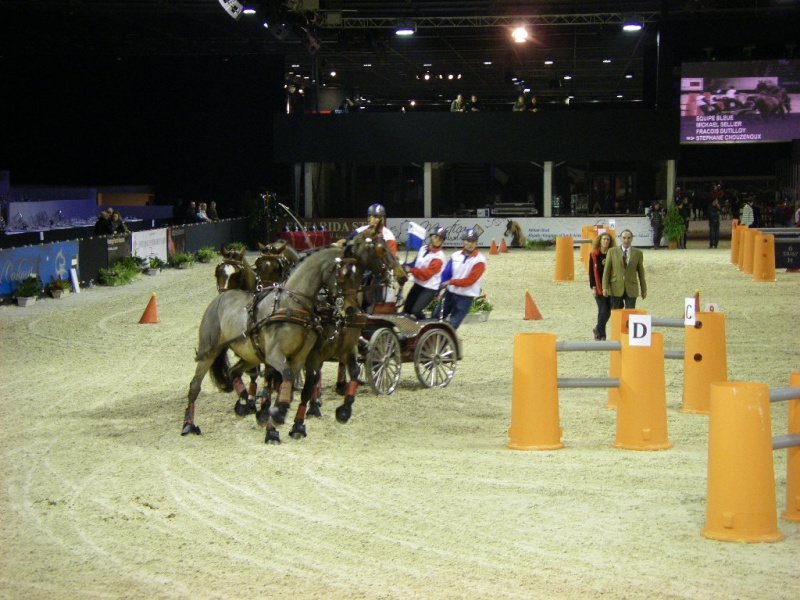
[[625, 258]]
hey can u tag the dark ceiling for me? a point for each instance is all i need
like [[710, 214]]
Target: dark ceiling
[[470, 39]]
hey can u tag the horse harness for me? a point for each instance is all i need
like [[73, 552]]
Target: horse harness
[[313, 312]]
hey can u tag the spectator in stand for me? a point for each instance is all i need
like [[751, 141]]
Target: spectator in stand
[[201, 212], [458, 104], [473, 105], [426, 274], [797, 216], [534, 107], [520, 105], [103, 224], [118, 226], [212, 211], [191, 214]]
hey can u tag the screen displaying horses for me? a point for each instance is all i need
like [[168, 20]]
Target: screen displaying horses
[[740, 102]]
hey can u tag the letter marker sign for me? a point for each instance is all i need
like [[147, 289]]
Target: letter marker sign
[[689, 316], [640, 330]]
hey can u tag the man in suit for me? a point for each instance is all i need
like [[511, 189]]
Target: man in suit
[[624, 273]]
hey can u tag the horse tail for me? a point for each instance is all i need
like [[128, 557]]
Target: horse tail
[[220, 372]]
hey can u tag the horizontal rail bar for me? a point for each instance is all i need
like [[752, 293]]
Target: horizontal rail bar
[[677, 354], [783, 394], [588, 382], [786, 441], [772, 230], [658, 322], [588, 346]]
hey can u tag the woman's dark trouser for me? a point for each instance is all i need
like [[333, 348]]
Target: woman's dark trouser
[[603, 314], [657, 233], [416, 301]]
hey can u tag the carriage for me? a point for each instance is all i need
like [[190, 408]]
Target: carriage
[[393, 339]]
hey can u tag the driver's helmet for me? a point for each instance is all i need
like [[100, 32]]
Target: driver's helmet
[[376, 210], [440, 231], [470, 235]]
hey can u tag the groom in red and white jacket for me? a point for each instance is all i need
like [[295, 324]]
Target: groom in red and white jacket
[[426, 274]]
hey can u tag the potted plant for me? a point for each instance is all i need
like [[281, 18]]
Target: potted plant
[[122, 272], [479, 310], [181, 260], [206, 254], [28, 289], [154, 265], [674, 227], [58, 287]]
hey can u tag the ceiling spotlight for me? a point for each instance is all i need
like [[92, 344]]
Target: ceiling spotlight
[[548, 62], [333, 73], [628, 75], [606, 61], [633, 23], [568, 76], [427, 76], [248, 10], [405, 28], [520, 35]]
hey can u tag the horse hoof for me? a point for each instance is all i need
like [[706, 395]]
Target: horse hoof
[[190, 428], [343, 414], [241, 409], [298, 432], [273, 437], [262, 417], [278, 415], [313, 410]]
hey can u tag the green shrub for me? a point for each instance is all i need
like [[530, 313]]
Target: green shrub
[[480, 304], [180, 258], [206, 254], [540, 244], [63, 285], [156, 263], [29, 286], [122, 272]]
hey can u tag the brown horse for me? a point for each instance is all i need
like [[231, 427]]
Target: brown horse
[[234, 272], [277, 327]]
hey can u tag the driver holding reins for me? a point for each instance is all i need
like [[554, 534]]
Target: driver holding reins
[[376, 216]]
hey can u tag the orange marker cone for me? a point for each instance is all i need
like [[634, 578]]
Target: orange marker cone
[[150, 314], [493, 249], [531, 312], [503, 247]]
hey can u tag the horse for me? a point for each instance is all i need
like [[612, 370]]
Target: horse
[[234, 272], [277, 327], [275, 261], [768, 105], [515, 231]]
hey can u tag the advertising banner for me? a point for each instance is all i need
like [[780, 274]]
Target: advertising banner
[[119, 246], [48, 261], [147, 244]]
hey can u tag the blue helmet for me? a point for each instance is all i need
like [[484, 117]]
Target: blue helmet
[[470, 235], [440, 231], [376, 210]]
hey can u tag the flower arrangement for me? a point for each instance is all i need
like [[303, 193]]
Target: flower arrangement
[[480, 304], [57, 287]]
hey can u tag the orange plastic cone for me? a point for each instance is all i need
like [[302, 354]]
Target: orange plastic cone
[[493, 249], [150, 314], [531, 312], [503, 247]]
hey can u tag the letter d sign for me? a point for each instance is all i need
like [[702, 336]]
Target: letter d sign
[[640, 330]]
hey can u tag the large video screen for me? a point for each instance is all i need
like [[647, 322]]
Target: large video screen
[[736, 102]]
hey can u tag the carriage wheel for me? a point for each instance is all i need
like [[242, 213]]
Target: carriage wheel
[[384, 361], [435, 358]]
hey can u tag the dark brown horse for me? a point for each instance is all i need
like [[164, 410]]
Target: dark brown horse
[[234, 272], [277, 327]]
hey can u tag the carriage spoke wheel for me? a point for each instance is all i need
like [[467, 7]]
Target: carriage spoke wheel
[[435, 358], [384, 361]]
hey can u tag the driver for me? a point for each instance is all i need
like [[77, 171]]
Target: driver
[[376, 216]]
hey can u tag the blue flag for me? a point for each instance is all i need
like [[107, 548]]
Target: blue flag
[[416, 235]]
